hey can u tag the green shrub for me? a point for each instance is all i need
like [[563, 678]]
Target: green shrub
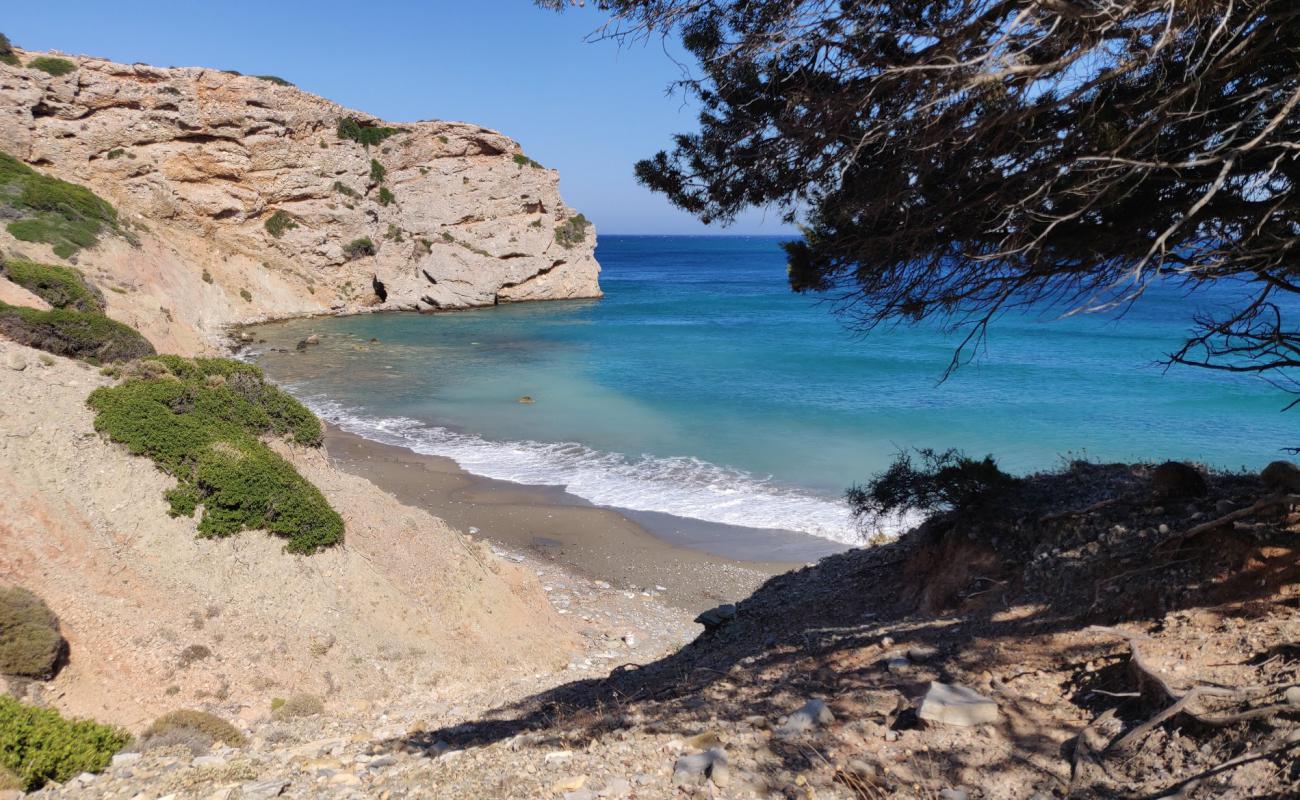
[[247, 295], [524, 161], [75, 334], [54, 66], [193, 654], [299, 705], [377, 172], [37, 745], [56, 212], [7, 54], [279, 222], [115, 153], [572, 232], [385, 196], [947, 481], [364, 133], [443, 139], [207, 435], [61, 287], [30, 643], [207, 727], [345, 190], [207, 276], [359, 247], [276, 79]]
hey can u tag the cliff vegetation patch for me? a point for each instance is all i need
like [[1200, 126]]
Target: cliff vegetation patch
[[7, 54], [364, 134], [572, 232], [276, 79], [195, 730], [359, 247], [37, 745], [61, 287], [64, 215], [279, 222], [30, 642], [202, 422], [76, 334], [54, 66]]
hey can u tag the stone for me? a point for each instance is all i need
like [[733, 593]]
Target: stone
[[1282, 476], [571, 784], [17, 362], [617, 788], [697, 767], [950, 704], [526, 400], [125, 759], [313, 339], [703, 741], [1174, 480], [921, 653], [1293, 695], [208, 761], [716, 617], [954, 794], [580, 794], [811, 716], [263, 790]]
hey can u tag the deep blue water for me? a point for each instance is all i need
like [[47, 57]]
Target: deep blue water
[[701, 386]]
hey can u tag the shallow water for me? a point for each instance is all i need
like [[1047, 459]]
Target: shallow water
[[702, 387]]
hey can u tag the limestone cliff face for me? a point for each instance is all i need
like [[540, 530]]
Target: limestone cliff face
[[198, 160]]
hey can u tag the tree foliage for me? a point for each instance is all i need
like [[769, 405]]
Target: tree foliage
[[956, 159]]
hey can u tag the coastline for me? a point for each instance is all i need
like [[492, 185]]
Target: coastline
[[698, 564]]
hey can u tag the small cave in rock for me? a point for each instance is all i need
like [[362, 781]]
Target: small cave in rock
[[380, 290]]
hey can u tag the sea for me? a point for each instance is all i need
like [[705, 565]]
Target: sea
[[700, 386]]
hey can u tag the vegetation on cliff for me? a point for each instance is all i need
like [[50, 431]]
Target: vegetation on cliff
[[30, 642], [367, 135], [57, 67], [572, 232], [37, 745], [64, 215], [61, 287], [201, 421], [75, 334], [7, 54]]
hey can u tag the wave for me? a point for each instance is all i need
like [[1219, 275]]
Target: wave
[[683, 486]]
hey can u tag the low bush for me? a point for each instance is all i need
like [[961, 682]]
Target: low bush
[[7, 54], [279, 222], [276, 79], [385, 196], [37, 745], [75, 334], [247, 295], [115, 153], [54, 66], [299, 705], [197, 730], [364, 133], [193, 654], [61, 287], [30, 643], [64, 215], [524, 161], [345, 190], [572, 232], [947, 481], [377, 171], [206, 433], [359, 247]]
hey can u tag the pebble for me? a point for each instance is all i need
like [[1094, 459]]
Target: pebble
[[950, 704], [1293, 695]]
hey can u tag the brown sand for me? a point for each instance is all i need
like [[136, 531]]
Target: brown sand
[[699, 564]]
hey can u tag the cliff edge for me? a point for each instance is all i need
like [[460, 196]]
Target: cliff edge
[[244, 198]]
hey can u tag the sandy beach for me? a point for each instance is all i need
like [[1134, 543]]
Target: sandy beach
[[698, 564]]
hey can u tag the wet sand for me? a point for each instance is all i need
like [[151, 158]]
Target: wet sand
[[699, 564]]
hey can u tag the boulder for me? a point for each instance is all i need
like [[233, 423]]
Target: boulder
[[1174, 480], [716, 617], [1282, 476], [950, 704]]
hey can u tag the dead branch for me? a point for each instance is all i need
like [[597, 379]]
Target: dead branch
[[1262, 504]]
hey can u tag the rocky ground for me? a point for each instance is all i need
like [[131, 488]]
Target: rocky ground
[[970, 659]]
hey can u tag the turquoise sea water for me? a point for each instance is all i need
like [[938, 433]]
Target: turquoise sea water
[[701, 386]]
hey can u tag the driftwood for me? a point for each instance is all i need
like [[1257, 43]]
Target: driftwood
[[1262, 504], [1182, 703]]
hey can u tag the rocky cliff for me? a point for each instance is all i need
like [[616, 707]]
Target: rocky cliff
[[243, 198]]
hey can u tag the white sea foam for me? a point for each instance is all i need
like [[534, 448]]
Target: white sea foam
[[683, 486]]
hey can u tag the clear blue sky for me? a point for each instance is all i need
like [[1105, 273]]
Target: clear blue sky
[[590, 110]]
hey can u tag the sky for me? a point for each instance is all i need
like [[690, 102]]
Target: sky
[[590, 110]]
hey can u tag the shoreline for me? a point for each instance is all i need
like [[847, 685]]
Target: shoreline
[[697, 564]]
